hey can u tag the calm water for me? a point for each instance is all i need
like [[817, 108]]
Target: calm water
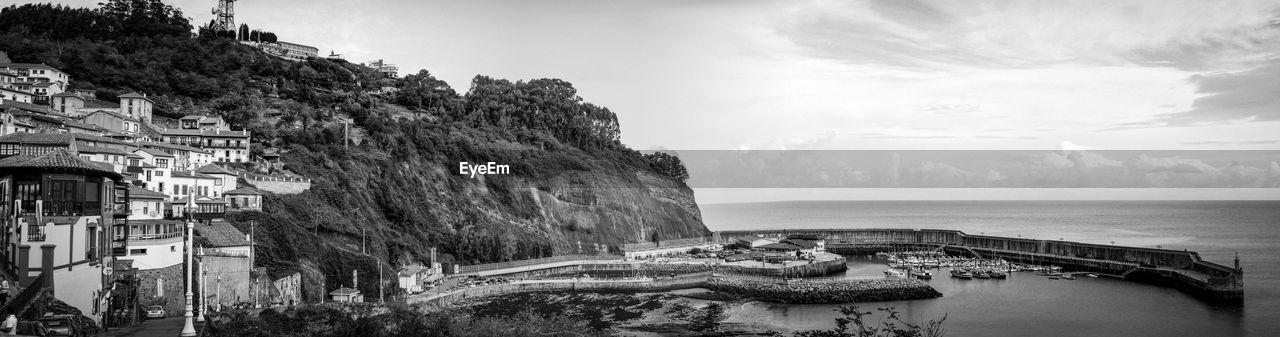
[[1027, 305]]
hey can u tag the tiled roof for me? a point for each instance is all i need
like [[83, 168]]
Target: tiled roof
[[66, 94], [243, 191], [114, 114], [804, 244], [222, 234], [101, 149], [191, 117], [174, 146], [27, 66], [8, 104], [780, 246], [98, 139], [57, 160], [37, 138], [134, 95], [214, 169], [142, 193], [199, 200], [100, 104], [190, 174], [154, 152]]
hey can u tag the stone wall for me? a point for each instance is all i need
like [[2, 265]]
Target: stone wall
[[172, 297], [228, 280]]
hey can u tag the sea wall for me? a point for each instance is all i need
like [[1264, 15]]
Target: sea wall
[[828, 292], [1180, 269], [442, 301]]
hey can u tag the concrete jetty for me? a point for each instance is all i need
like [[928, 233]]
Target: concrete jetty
[[1176, 268]]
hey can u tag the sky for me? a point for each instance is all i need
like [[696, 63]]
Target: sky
[[844, 75]]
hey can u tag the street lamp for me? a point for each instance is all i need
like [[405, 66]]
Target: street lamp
[[189, 327], [203, 298]]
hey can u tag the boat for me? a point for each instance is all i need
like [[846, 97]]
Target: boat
[[1068, 276], [1053, 276], [922, 274], [981, 274], [1091, 275], [998, 275], [894, 272], [963, 274]]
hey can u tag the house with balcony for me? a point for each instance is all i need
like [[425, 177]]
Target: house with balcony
[[226, 180], [206, 209], [120, 127], [153, 168], [226, 145], [186, 157], [115, 157], [155, 248], [146, 204], [61, 216], [192, 182]]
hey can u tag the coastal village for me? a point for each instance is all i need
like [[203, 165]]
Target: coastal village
[[114, 215]]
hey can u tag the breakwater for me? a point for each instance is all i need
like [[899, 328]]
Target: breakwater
[[826, 292], [1176, 268], [650, 269]]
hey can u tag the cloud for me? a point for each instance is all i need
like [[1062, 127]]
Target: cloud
[[1187, 35], [1252, 95]]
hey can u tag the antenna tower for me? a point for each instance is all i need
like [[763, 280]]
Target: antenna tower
[[226, 15]]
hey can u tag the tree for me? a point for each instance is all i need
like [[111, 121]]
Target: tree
[[668, 165], [854, 323], [243, 33]]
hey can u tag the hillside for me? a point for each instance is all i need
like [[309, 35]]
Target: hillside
[[573, 187]]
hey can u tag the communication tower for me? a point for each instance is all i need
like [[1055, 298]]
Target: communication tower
[[226, 15]]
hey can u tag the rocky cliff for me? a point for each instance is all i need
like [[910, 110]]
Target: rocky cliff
[[404, 200]]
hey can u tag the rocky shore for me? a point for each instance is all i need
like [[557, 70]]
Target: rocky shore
[[827, 293]]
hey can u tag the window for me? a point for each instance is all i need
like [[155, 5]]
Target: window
[[160, 174], [162, 163], [91, 192], [175, 189], [144, 209], [140, 251], [173, 248], [159, 287]]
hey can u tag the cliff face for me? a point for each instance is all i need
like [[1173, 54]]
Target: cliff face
[[405, 202]]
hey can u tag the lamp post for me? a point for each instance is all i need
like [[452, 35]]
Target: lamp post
[[202, 272], [189, 327]]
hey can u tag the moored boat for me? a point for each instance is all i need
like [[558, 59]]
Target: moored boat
[[1068, 276], [963, 274], [894, 272], [981, 274], [922, 274]]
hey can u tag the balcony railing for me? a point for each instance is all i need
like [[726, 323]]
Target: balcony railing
[[71, 208], [160, 236], [35, 237]]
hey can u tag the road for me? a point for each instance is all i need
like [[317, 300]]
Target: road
[[168, 327]]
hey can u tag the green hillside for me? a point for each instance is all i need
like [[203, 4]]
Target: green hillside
[[573, 186]]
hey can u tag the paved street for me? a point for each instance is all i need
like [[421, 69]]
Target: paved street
[[168, 327]]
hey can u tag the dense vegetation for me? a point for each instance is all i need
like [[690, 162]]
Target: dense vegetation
[[333, 321], [392, 184]]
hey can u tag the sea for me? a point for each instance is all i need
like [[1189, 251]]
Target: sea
[[1031, 305]]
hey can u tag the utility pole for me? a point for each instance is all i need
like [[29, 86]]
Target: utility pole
[[380, 282], [362, 250]]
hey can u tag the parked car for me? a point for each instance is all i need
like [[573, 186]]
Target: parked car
[[155, 311], [61, 325], [30, 328]]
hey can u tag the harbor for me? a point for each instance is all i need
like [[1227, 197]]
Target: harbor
[[1183, 270]]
